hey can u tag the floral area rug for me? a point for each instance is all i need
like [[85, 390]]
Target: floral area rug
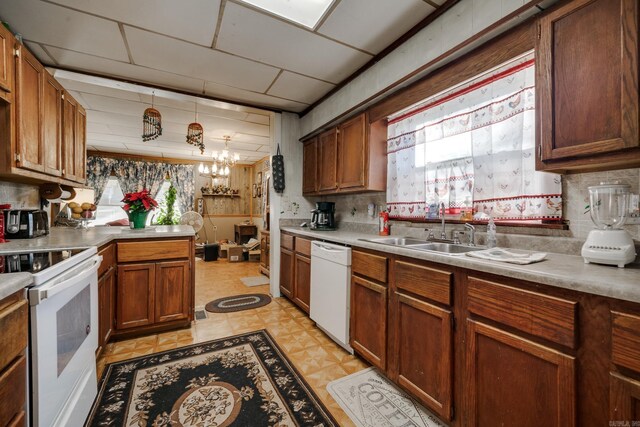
[[244, 380]]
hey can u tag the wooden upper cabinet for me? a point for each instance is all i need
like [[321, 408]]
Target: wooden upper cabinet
[[6, 59], [310, 167], [81, 145], [587, 87], [52, 122], [29, 111], [352, 150], [328, 161], [69, 138]]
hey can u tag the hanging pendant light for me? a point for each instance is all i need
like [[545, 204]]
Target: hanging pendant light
[[195, 133], [151, 122]]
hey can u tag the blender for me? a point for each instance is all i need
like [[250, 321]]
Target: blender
[[609, 243]]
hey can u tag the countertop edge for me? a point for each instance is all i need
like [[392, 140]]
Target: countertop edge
[[558, 270], [13, 282]]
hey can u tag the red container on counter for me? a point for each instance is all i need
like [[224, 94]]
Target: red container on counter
[[2, 208], [383, 220]]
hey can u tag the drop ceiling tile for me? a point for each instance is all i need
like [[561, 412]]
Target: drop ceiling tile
[[351, 22], [67, 58], [250, 34], [193, 20], [93, 89], [54, 25], [299, 88], [228, 92], [258, 118], [163, 53]]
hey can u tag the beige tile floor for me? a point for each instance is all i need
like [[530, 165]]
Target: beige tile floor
[[316, 357]]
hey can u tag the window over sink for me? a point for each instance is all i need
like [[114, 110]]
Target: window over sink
[[471, 148]]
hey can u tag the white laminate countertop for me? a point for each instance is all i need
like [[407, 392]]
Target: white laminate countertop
[[70, 238], [559, 270], [13, 282]]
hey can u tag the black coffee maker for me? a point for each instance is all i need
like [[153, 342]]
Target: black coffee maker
[[323, 216]]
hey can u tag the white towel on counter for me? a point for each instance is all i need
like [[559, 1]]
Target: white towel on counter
[[511, 256]]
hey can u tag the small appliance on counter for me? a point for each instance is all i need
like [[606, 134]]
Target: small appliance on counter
[[2, 208], [25, 224], [609, 243], [323, 216]]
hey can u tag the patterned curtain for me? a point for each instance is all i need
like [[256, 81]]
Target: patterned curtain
[[183, 180], [98, 172], [479, 148]]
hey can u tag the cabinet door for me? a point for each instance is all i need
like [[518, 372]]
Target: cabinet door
[[310, 167], [352, 153], [302, 289], [624, 403], [587, 85], [423, 339], [106, 306], [135, 301], [6, 62], [328, 161], [503, 369], [80, 151], [286, 272], [173, 291], [51, 125], [368, 321], [263, 251], [29, 114], [69, 131]]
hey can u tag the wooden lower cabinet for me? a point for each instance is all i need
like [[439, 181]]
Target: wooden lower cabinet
[[368, 321], [106, 306], [135, 299], [302, 288], [14, 321], [265, 247], [624, 405], [286, 272], [172, 296], [515, 381], [423, 338]]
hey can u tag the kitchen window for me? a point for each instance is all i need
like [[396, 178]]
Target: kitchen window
[[472, 147]]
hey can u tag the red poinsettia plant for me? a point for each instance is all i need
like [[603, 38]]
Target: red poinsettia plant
[[140, 201]]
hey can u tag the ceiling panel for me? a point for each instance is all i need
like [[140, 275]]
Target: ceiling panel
[[79, 61], [98, 90], [352, 22], [299, 88], [37, 50], [251, 34], [163, 53], [193, 20], [58, 26], [228, 92]]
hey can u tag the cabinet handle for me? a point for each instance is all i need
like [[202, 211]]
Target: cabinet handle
[[18, 157], [62, 96], [63, 172], [16, 53]]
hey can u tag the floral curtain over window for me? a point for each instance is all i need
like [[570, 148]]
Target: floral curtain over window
[[475, 145], [134, 175]]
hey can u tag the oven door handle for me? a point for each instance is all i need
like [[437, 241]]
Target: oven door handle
[[80, 273]]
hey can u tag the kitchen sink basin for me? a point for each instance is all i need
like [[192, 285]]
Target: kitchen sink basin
[[447, 248], [396, 241]]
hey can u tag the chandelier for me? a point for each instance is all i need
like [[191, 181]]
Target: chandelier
[[223, 162], [195, 133], [151, 122]]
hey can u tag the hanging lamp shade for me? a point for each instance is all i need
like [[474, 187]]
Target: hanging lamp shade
[[151, 124], [195, 136]]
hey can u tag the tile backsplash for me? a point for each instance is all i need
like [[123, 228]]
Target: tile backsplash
[[20, 196]]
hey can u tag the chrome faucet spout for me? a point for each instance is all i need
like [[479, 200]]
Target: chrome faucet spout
[[472, 234], [443, 233]]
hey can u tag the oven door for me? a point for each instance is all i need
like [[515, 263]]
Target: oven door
[[64, 338]]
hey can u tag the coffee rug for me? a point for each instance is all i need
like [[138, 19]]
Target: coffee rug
[[244, 380], [370, 399], [237, 303], [255, 280]]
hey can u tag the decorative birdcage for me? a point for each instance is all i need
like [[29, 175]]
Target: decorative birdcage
[[195, 136], [151, 123]]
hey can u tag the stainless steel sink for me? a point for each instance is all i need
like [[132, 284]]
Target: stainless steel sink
[[447, 248], [396, 241]]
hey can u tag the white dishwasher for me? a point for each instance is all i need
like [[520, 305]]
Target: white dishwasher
[[331, 290]]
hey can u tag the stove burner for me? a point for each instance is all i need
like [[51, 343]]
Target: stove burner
[[33, 262]]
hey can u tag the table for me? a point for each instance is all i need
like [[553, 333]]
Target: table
[[244, 232]]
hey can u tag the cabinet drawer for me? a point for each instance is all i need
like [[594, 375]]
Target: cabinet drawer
[[551, 318], [153, 251], [303, 246], [14, 322], [13, 382], [286, 241], [369, 265], [425, 281], [108, 259], [625, 340]]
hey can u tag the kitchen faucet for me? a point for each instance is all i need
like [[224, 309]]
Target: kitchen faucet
[[472, 234], [443, 234]]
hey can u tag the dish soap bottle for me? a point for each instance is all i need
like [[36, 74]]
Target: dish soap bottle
[[491, 233]]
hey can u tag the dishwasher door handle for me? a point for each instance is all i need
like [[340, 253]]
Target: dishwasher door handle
[[330, 249]]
